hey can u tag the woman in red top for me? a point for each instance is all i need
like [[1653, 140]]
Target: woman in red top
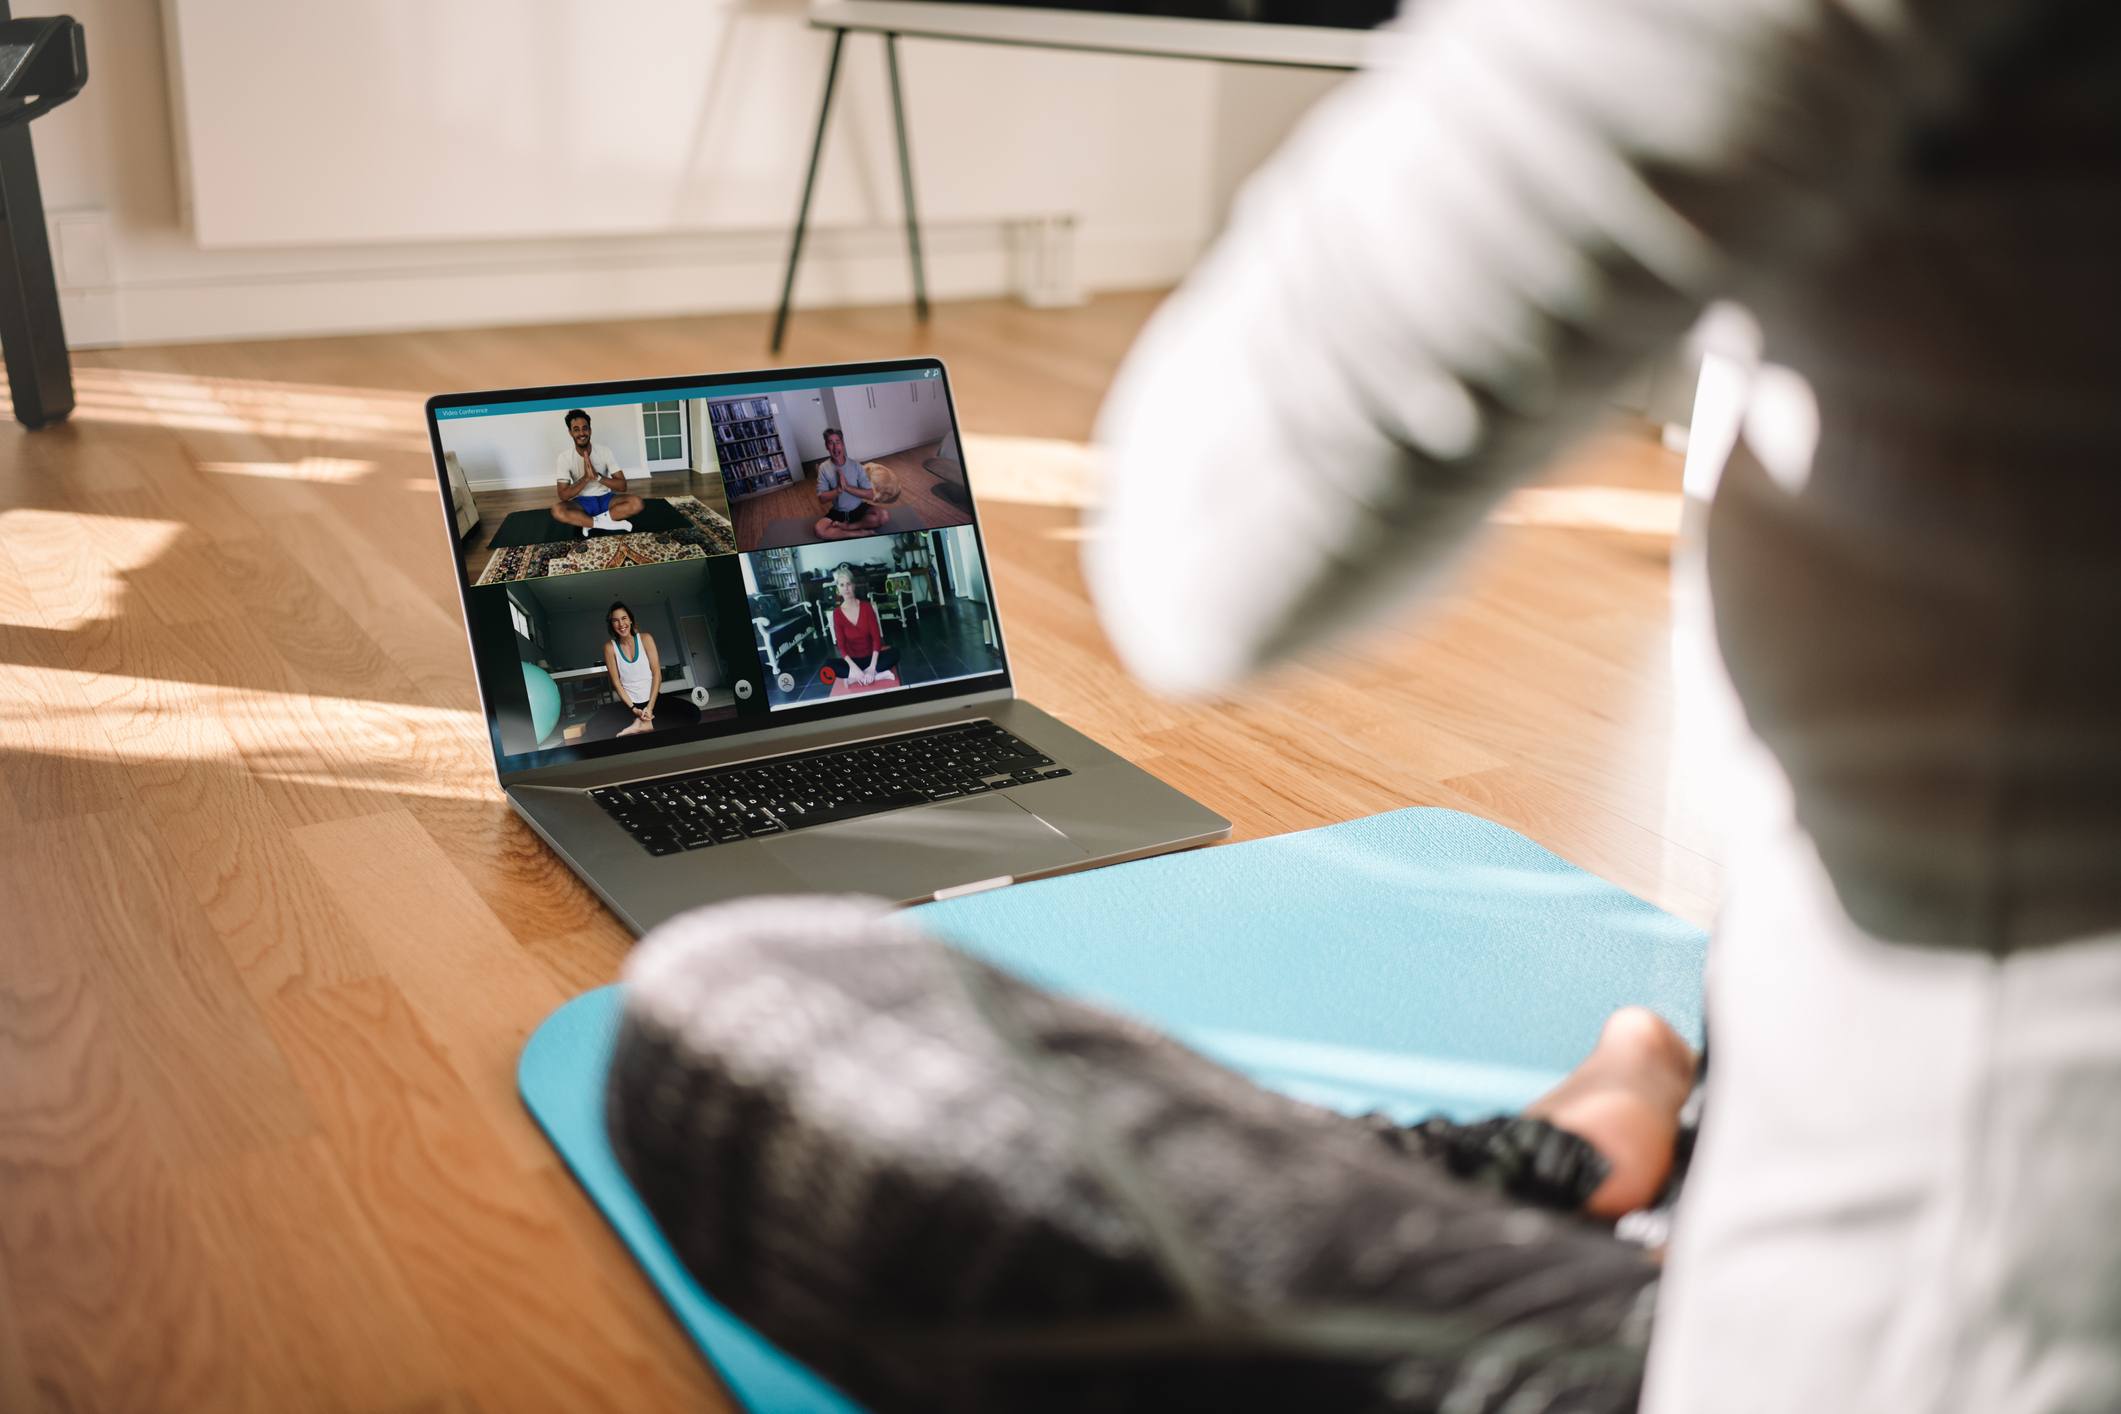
[[857, 635]]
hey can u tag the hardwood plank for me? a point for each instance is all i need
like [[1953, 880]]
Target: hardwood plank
[[521, 1310], [579, 961], [52, 760], [264, 901], [110, 1282], [276, 603], [524, 884], [413, 618], [18, 1388], [472, 985], [163, 980], [348, 1332]]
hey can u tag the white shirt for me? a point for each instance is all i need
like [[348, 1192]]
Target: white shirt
[[832, 475], [633, 673], [569, 466]]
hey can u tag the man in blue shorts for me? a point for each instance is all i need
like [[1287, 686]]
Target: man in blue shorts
[[593, 494]]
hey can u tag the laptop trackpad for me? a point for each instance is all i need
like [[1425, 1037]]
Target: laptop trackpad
[[907, 854]]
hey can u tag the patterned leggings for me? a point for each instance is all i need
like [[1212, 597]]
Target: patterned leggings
[[944, 1189]]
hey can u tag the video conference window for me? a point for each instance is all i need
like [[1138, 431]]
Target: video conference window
[[839, 463], [571, 491], [606, 656], [835, 620]]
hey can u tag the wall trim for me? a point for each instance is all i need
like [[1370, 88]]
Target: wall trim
[[512, 283]]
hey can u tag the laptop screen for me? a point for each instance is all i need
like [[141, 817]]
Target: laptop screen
[[655, 562]]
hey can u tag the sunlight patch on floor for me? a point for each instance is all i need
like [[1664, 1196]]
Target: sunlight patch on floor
[[1593, 508], [258, 407], [297, 737], [1031, 471], [334, 470], [87, 586]]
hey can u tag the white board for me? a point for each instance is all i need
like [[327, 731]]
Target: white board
[[396, 120], [1226, 41]]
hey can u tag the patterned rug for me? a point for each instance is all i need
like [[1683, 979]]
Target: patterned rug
[[708, 534]]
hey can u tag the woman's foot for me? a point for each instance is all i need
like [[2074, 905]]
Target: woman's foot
[[1624, 1100]]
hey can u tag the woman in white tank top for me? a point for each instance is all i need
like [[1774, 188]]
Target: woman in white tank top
[[635, 667]]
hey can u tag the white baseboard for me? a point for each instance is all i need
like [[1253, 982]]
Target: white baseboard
[[647, 277]]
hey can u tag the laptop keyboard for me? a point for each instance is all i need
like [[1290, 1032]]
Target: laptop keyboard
[[730, 803]]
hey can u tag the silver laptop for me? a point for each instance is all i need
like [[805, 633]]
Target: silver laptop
[[737, 634]]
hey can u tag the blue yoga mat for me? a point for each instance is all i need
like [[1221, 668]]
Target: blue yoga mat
[[1418, 961]]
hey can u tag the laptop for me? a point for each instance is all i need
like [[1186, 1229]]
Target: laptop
[[737, 634]]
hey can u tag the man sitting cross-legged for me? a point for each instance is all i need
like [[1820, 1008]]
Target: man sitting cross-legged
[[845, 495], [593, 494]]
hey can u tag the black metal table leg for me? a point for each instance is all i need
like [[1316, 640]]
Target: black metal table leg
[[802, 212], [31, 335], [905, 175]]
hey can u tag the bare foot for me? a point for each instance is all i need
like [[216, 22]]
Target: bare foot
[[1624, 1099]]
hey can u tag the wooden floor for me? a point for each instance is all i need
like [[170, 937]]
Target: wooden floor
[[916, 487], [272, 940]]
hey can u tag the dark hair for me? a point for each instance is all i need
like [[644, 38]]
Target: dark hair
[[616, 605], [572, 414], [835, 432]]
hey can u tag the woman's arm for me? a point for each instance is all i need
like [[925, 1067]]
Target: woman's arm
[[1432, 288], [611, 670], [655, 676]]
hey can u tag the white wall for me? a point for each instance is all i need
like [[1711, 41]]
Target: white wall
[[1255, 111], [903, 415], [967, 568], [523, 449], [702, 435], [876, 550], [1122, 144], [802, 422]]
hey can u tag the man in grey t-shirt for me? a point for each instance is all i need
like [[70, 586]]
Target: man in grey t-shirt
[[845, 495]]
